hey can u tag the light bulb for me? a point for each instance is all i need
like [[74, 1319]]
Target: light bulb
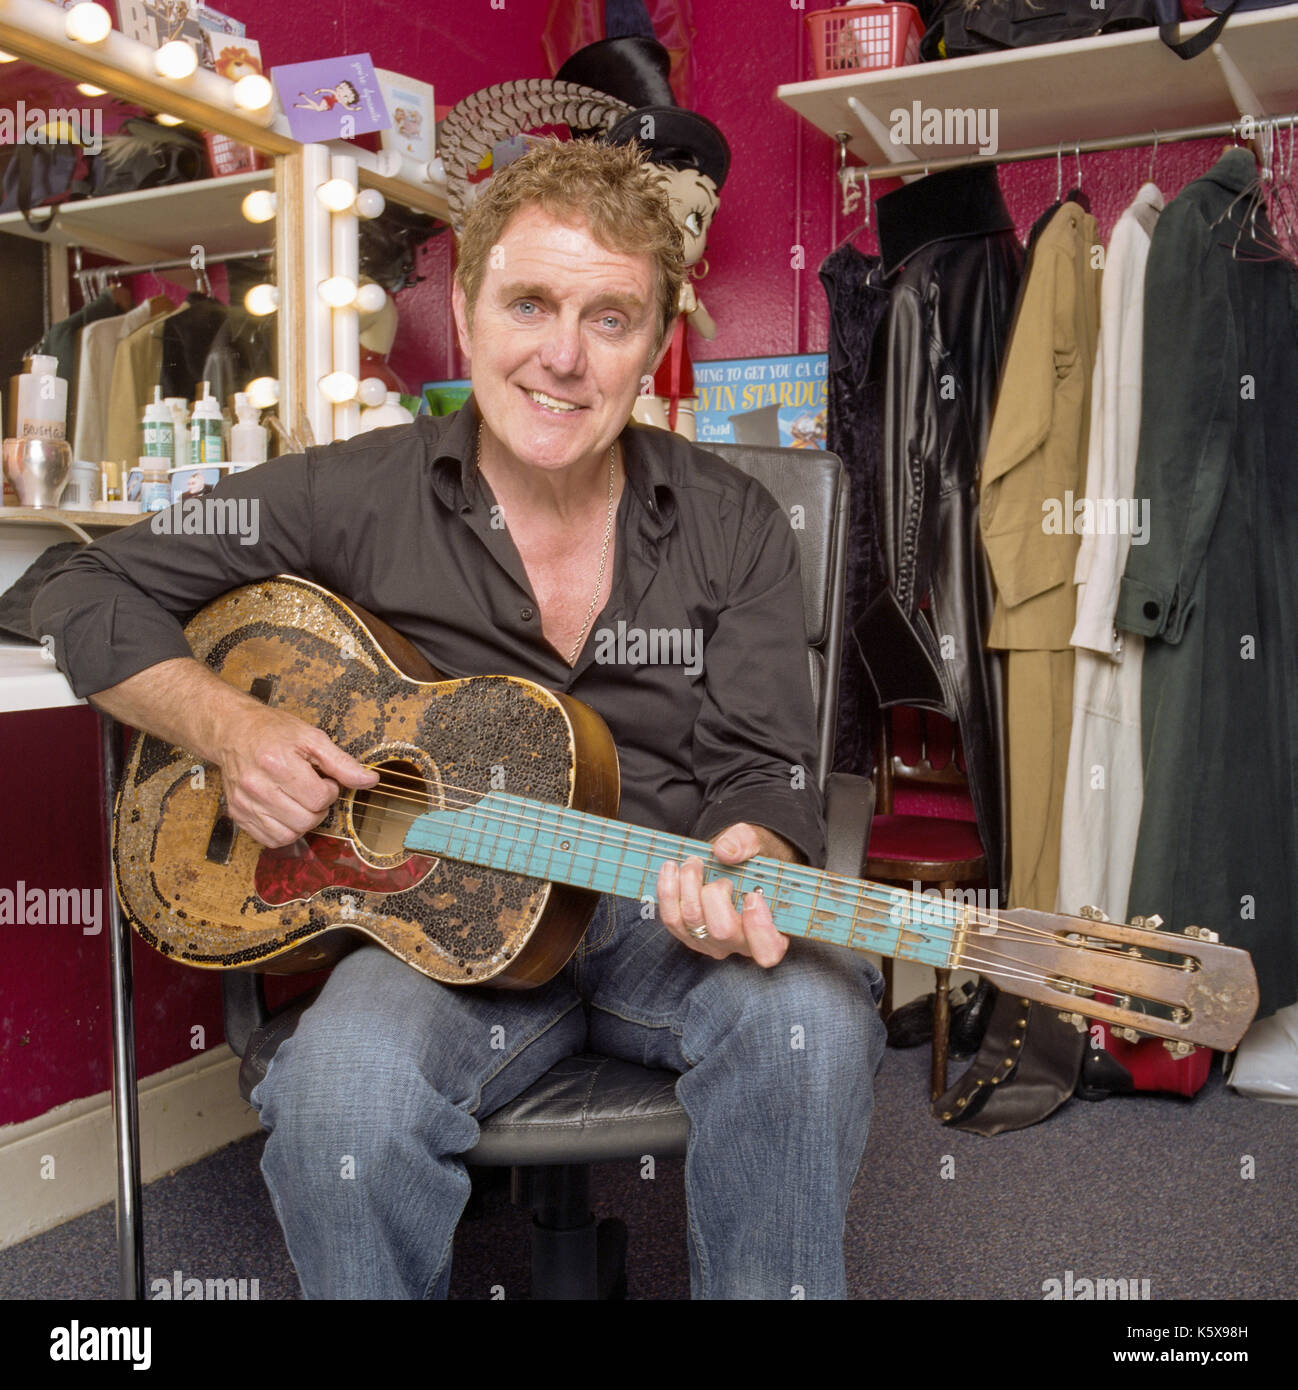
[[163, 119], [370, 203], [339, 387], [8, 57], [261, 300], [88, 23], [371, 298], [373, 391], [337, 195], [252, 92], [175, 60], [338, 291], [259, 205], [88, 89], [263, 392]]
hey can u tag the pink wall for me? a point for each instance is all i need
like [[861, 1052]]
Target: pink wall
[[779, 193], [53, 1000]]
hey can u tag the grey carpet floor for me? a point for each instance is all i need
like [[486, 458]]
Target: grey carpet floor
[[1196, 1197]]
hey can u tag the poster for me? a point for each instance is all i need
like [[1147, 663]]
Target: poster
[[775, 402]]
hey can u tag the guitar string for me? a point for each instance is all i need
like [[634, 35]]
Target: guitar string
[[1008, 966], [1021, 932], [842, 891], [942, 932]]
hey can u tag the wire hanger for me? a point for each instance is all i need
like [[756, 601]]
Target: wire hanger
[[864, 226], [1153, 155]]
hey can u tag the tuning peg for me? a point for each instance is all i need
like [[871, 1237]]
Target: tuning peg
[[1093, 914], [1076, 1020], [1128, 1034], [1202, 934], [1178, 1047]]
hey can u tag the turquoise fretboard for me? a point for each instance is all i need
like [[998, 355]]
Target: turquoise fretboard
[[538, 840]]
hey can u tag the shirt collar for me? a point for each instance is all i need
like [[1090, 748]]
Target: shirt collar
[[957, 202], [453, 446], [1236, 169]]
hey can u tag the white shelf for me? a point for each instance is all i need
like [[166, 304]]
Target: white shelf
[[156, 224], [1084, 89], [28, 681]]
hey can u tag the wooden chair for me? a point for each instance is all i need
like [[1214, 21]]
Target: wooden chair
[[919, 752]]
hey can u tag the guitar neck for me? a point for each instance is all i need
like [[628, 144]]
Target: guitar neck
[[537, 840]]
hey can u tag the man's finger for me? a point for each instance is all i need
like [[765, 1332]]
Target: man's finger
[[736, 843], [324, 754], [765, 941]]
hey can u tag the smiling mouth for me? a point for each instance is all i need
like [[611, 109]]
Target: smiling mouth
[[551, 403]]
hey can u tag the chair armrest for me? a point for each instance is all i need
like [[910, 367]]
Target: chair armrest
[[849, 810]]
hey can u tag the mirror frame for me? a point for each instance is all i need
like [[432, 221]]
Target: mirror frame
[[42, 44]]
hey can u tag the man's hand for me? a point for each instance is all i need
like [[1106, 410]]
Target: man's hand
[[282, 774], [684, 900]]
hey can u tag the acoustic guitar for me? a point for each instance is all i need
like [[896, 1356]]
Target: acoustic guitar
[[479, 855]]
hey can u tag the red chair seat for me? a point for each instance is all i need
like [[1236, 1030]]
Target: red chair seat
[[925, 839]]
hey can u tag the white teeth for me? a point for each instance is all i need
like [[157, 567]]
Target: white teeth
[[550, 403]]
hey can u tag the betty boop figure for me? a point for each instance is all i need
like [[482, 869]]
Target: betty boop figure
[[343, 94]]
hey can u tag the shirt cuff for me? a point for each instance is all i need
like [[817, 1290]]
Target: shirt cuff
[[1149, 611], [104, 643]]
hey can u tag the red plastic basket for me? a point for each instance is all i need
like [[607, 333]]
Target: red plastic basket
[[859, 38]]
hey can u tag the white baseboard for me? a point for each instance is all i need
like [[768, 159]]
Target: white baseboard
[[64, 1163]]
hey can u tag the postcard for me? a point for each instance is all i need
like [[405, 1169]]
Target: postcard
[[332, 98]]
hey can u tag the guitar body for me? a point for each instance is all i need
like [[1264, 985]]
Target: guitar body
[[205, 893]]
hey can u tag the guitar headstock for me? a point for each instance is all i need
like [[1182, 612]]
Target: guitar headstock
[[1186, 987]]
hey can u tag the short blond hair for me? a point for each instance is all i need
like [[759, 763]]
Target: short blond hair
[[614, 189]]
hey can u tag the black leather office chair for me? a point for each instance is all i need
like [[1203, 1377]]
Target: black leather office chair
[[589, 1108]]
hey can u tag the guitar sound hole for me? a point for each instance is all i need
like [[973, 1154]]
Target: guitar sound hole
[[381, 814]]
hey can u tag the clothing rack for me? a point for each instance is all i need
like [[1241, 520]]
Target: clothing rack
[[1250, 128], [100, 276]]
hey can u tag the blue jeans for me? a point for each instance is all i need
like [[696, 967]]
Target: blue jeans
[[372, 1100]]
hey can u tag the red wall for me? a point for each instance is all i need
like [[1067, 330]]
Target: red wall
[[53, 992]]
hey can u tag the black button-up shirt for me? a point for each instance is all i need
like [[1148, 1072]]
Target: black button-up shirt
[[698, 662]]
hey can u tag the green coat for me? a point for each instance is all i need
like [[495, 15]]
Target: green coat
[[1215, 589]]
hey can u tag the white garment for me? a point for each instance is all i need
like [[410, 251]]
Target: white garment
[[98, 349], [1105, 785]]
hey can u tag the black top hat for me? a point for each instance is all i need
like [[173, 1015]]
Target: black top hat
[[634, 69]]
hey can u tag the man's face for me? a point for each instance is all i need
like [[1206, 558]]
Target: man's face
[[562, 333]]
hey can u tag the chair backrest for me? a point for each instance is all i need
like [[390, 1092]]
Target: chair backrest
[[814, 482], [921, 750]]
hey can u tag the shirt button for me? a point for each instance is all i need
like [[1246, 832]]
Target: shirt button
[[525, 614], [1151, 610]]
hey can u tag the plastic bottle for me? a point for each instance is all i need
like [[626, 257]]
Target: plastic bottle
[[391, 412], [179, 408], [159, 429], [248, 437], [40, 401], [155, 487], [205, 431]]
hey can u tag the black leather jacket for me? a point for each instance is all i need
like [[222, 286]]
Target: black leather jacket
[[949, 241]]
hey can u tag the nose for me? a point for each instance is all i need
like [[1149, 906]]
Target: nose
[[563, 351]]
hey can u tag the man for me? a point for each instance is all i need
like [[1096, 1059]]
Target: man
[[503, 539]]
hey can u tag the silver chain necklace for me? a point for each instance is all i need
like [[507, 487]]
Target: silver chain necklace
[[603, 555]]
